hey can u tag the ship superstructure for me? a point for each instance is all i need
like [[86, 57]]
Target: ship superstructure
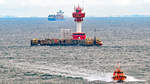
[[59, 15]]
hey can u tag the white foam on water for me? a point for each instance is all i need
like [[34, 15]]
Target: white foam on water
[[107, 77], [131, 78]]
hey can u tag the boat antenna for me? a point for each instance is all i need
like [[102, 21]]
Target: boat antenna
[[94, 36], [83, 3], [118, 65], [74, 7]]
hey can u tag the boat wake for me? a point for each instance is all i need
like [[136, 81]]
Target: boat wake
[[73, 72], [107, 77]]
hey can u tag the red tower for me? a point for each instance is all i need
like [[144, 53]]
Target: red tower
[[78, 15]]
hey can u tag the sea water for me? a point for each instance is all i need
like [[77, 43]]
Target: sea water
[[125, 40]]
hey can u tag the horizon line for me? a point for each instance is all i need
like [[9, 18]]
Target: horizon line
[[134, 15]]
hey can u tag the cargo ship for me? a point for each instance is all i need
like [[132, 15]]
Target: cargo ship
[[58, 16], [77, 38]]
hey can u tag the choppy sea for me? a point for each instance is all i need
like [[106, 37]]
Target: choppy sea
[[125, 40]]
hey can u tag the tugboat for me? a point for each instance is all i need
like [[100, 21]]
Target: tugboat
[[118, 75]]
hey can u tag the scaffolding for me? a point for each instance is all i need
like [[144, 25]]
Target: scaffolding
[[66, 34]]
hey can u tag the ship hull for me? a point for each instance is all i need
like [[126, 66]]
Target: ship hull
[[51, 19], [68, 42]]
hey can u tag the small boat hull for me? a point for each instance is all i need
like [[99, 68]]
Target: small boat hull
[[119, 78], [120, 81]]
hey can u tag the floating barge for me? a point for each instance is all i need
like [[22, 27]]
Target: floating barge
[[66, 42]]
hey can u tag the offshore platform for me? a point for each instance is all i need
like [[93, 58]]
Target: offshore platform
[[77, 39]]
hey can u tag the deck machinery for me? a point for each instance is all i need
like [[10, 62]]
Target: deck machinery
[[78, 38]]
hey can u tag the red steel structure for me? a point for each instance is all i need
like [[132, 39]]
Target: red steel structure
[[78, 15], [78, 36]]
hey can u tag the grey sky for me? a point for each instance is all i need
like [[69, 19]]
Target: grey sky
[[92, 7]]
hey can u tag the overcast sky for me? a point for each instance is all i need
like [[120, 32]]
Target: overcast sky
[[27, 8]]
